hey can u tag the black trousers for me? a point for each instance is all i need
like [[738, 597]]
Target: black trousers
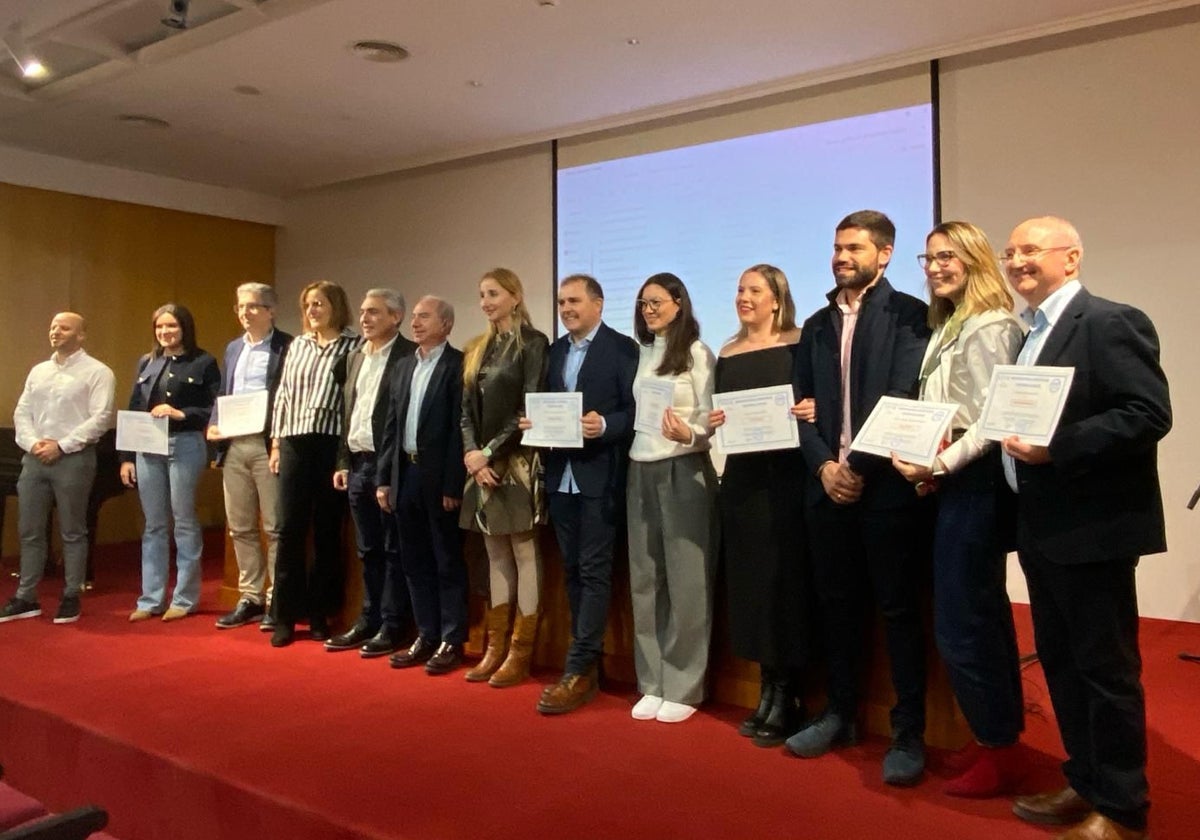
[[432, 558], [856, 551], [585, 528], [385, 592], [306, 495], [1085, 625]]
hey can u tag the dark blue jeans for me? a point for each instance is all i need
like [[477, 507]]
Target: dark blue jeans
[[585, 528], [431, 553], [385, 593], [973, 621]]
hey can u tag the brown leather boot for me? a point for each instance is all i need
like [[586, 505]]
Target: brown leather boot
[[498, 621], [516, 665]]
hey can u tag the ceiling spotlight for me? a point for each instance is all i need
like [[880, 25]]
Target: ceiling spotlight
[[14, 45], [178, 12], [633, 42], [382, 52]]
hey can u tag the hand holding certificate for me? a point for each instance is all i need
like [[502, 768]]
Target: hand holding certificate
[[653, 399], [139, 431], [1026, 401], [912, 429], [555, 418], [756, 420], [242, 414]]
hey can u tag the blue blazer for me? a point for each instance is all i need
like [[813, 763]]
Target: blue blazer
[[439, 429], [606, 382], [1099, 498], [889, 344], [233, 351], [190, 383]]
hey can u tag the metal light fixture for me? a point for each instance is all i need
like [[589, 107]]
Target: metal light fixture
[[177, 18], [14, 45]]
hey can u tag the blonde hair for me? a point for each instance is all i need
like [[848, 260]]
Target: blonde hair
[[474, 351], [985, 287], [784, 318]]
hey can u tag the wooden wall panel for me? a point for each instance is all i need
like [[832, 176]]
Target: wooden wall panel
[[115, 263]]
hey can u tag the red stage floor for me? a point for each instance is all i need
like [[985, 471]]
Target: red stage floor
[[190, 733]]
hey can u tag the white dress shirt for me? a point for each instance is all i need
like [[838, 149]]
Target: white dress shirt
[[66, 400], [366, 388]]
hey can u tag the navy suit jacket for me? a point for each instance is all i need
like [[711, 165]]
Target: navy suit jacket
[[353, 361], [606, 382], [190, 385], [889, 344], [233, 351], [439, 428], [1098, 498]]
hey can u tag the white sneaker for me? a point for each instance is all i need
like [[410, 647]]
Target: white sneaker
[[647, 708], [670, 712]]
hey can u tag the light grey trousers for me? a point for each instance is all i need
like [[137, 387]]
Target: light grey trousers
[[673, 539], [65, 484]]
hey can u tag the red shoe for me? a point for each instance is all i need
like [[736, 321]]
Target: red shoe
[[997, 771]]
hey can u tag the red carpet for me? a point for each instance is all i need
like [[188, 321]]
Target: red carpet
[[190, 733]]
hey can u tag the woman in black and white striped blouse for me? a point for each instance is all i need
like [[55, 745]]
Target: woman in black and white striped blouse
[[305, 426]]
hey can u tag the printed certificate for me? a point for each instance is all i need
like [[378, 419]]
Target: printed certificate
[[137, 431], [555, 418], [242, 414], [757, 420], [913, 429], [1026, 401], [653, 399]]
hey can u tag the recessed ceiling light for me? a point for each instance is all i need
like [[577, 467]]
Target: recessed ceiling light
[[247, 90], [33, 69], [633, 42], [143, 120], [547, 3], [384, 52], [475, 83]]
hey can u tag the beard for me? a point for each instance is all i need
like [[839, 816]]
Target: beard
[[862, 276]]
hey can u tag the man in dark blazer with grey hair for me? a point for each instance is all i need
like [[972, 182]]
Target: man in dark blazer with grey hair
[[1088, 506]]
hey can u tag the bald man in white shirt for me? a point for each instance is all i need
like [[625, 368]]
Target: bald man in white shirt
[[67, 405]]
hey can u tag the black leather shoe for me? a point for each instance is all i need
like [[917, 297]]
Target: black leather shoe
[[753, 723], [283, 634], [352, 638], [419, 651], [318, 629], [243, 613], [446, 659], [782, 719], [381, 644], [267, 625]]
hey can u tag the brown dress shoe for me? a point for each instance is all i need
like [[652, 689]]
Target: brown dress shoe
[[1062, 807], [568, 694], [1100, 827]]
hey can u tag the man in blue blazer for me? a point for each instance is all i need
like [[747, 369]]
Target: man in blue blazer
[[587, 486], [865, 526], [420, 477], [253, 362], [1088, 506]]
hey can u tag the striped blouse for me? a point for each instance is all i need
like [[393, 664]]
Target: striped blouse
[[309, 400]]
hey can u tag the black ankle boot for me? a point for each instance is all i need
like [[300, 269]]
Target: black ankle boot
[[782, 719], [752, 724]]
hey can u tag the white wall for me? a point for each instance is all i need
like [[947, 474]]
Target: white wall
[[1102, 127], [48, 172], [430, 231]]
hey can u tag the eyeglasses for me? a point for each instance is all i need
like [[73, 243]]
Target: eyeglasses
[[652, 304], [249, 308], [942, 258], [1030, 254]]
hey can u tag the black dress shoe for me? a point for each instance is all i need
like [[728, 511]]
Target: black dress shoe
[[318, 629], [420, 651], [352, 638], [283, 634], [754, 723], [267, 625], [446, 659], [243, 613], [381, 644]]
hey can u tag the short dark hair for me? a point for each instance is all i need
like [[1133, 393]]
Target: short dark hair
[[187, 327], [594, 290], [879, 226], [681, 332]]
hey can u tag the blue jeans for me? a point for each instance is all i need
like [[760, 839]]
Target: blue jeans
[[167, 489]]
